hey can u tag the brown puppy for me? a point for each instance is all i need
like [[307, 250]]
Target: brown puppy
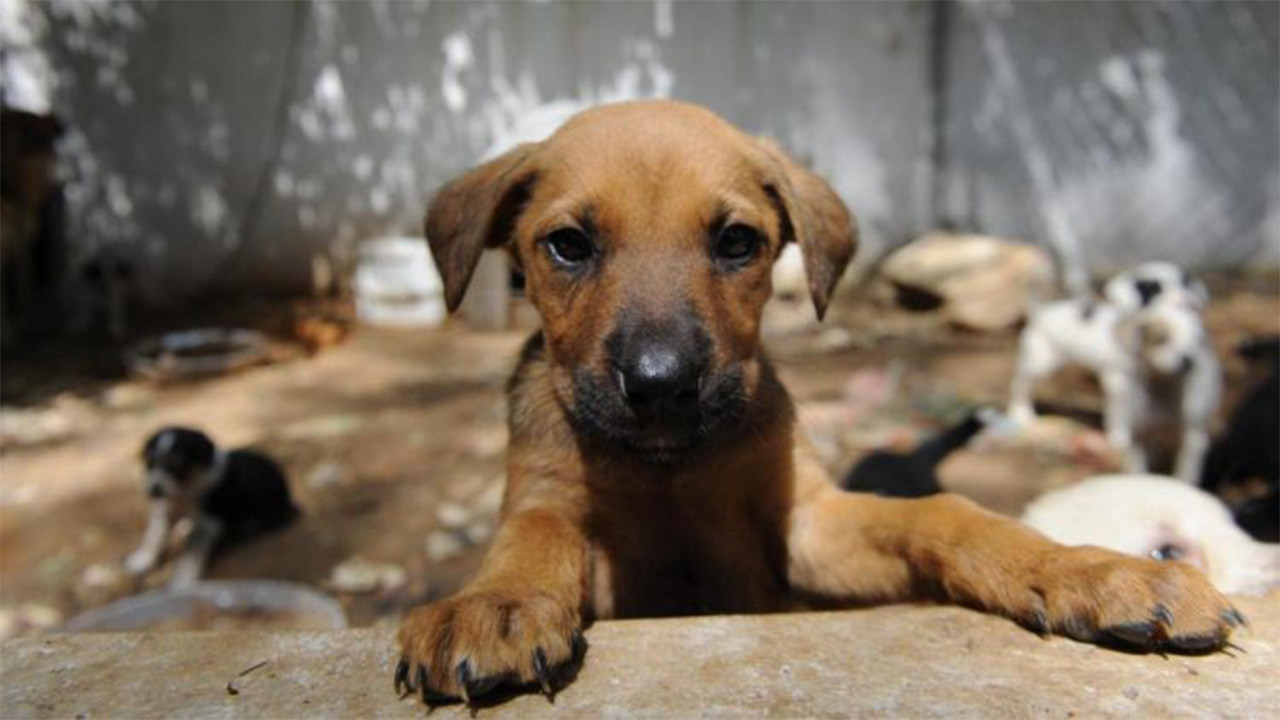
[[655, 467]]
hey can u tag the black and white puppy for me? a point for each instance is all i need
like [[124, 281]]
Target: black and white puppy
[[1153, 358], [229, 496]]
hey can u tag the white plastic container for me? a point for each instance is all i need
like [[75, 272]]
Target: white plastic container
[[397, 284]]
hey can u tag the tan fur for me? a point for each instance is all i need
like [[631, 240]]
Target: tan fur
[[752, 524]]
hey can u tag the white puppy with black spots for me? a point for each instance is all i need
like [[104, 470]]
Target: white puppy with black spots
[[229, 496], [1150, 352]]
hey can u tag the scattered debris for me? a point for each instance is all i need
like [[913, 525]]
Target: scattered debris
[[25, 618], [65, 417], [452, 515], [360, 575], [444, 545], [326, 474], [128, 396], [317, 333], [233, 685]]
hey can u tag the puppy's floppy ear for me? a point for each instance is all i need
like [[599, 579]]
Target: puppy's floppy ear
[[476, 211], [816, 218]]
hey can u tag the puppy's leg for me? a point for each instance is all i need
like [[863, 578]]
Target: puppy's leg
[[144, 559], [515, 623], [1036, 360], [1124, 406], [1191, 452], [854, 547], [190, 565]]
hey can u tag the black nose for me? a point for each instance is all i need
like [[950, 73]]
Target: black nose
[[155, 491], [1147, 290], [659, 379]]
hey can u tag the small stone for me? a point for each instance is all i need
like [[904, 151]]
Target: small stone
[[100, 575], [360, 575], [452, 514], [444, 545], [325, 475], [128, 396]]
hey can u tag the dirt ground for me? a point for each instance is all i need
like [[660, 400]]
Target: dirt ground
[[393, 442]]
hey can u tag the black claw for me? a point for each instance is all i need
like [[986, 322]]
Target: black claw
[[578, 644], [473, 687], [1133, 633], [1163, 615], [541, 670], [1078, 630], [402, 677], [463, 673], [1196, 643], [1235, 618], [1040, 623], [422, 683]]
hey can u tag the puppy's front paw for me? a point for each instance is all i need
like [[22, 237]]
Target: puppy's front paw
[[1099, 596], [478, 640]]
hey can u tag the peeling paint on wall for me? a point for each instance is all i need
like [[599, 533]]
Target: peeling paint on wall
[[358, 111]]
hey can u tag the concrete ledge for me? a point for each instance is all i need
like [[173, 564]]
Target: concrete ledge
[[892, 661]]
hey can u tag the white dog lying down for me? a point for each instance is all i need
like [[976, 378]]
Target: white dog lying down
[[1159, 517], [1153, 362]]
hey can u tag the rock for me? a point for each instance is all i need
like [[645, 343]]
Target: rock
[[903, 661], [982, 283], [324, 475], [452, 514], [360, 575]]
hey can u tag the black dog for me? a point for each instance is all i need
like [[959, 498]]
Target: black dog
[[1250, 448], [913, 474], [231, 496]]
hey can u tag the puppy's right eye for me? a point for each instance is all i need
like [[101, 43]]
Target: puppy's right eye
[[1168, 551], [569, 247]]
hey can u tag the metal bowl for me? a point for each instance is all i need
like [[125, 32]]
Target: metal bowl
[[196, 353]]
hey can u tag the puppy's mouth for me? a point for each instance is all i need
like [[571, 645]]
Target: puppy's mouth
[[600, 411]]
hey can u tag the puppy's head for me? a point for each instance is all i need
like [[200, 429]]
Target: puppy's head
[[175, 458], [1156, 283], [646, 232], [1169, 339]]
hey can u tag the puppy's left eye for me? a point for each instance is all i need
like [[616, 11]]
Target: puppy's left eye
[[737, 244]]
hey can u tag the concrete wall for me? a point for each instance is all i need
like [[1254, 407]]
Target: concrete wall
[[1115, 132], [229, 144]]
